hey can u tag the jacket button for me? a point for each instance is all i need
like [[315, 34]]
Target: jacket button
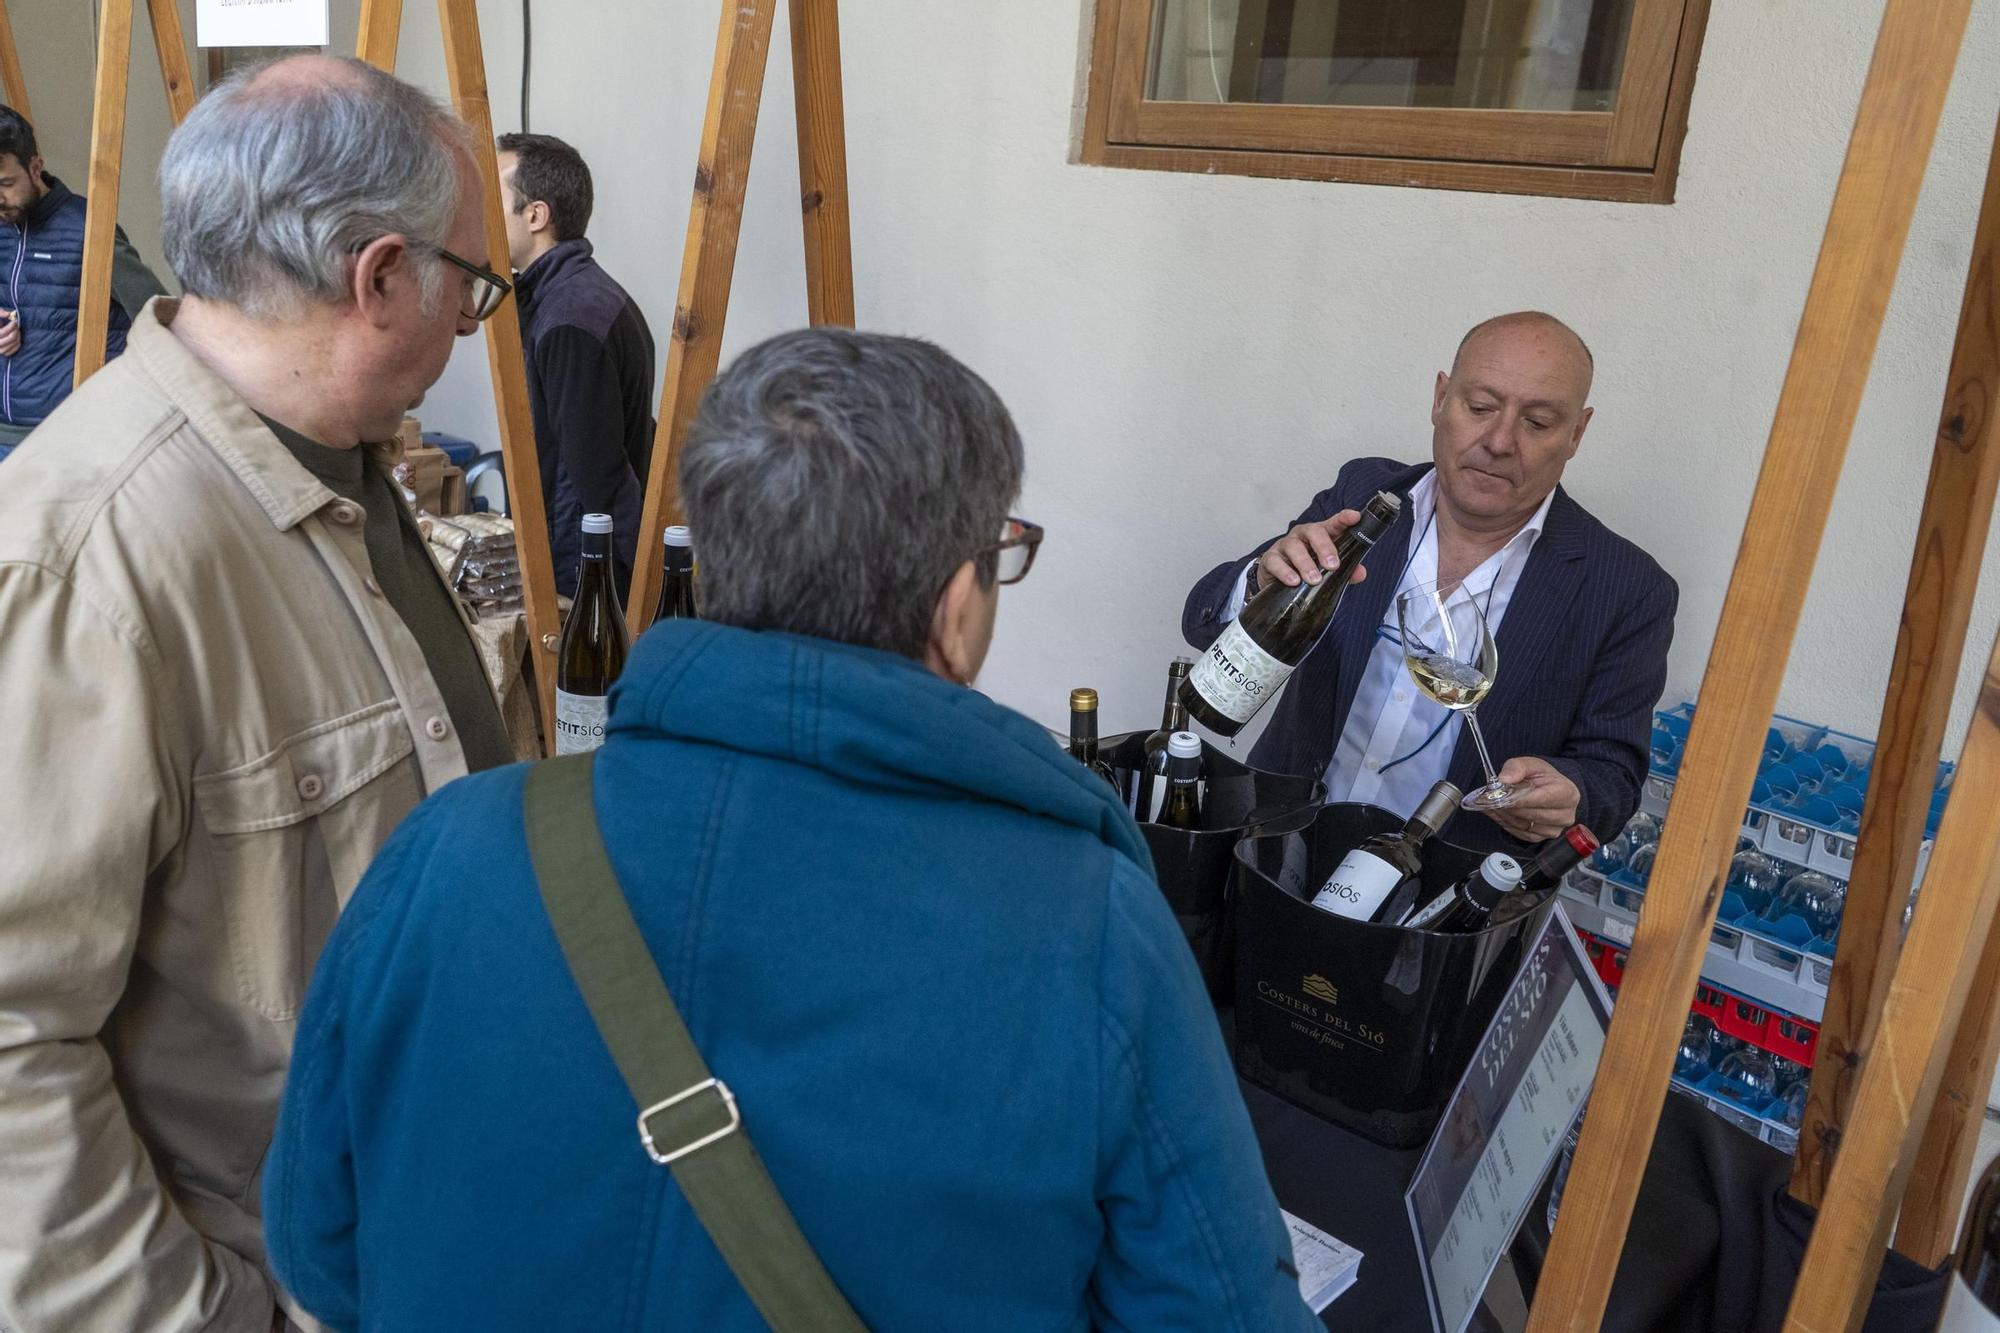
[[437, 729], [346, 513], [310, 787]]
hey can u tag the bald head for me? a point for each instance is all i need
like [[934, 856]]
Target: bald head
[[1507, 419], [1559, 342], [303, 73]]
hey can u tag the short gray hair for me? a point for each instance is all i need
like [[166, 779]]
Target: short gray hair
[[275, 180], [835, 480]]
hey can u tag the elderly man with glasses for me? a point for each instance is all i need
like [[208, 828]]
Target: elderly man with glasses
[[918, 949], [232, 669]]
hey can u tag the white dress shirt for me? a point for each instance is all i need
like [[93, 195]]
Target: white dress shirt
[[1390, 717]]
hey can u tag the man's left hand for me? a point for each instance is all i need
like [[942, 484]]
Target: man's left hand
[[1545, 801]]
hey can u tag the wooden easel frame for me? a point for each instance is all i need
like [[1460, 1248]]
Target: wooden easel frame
[[465, 66], [381, 25], [1893, 1029], [107, 154], [708, 260]]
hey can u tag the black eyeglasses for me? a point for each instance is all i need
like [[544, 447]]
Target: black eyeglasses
[[483, 294], [1014, 554]]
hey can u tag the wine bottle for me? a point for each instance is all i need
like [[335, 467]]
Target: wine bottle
[[1367, 878], [593, 647], [1466, 905], [1973, 1300], [1558, 858], [1083, 734], [1151, 789], [1244, 668], [677, 582], [1182, 808]]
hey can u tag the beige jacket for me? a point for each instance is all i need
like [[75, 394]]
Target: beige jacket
[[214, 721]]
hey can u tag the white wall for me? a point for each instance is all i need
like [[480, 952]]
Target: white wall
[[1191, 357]]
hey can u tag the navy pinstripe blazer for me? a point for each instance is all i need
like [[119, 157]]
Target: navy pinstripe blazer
[[1583, 655]]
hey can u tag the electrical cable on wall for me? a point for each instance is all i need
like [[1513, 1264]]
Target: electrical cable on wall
[[527, 55]]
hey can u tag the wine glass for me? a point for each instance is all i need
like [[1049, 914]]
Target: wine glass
[[1450, 653]]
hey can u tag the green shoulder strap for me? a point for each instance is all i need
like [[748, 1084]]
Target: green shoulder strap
[[690, 1121]]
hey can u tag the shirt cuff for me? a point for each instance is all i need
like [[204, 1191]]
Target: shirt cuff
[[1241, 594]]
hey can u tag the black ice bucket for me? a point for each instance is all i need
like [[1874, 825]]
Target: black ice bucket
[[1369, 1026], [1193, 866]]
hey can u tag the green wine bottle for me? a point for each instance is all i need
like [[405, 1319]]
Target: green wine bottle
[[1083, 734], [593, 647], [1251, 660], [677, 581], [1182, 808]]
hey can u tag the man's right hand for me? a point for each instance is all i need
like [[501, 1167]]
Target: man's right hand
[[10, 332], [1307, 552]]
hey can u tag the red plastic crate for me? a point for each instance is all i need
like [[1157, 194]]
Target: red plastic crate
[[1783, 1035]]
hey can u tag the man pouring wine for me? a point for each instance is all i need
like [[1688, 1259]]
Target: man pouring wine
[[1490, 589]]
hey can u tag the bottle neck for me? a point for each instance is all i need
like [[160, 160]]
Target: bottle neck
[[1083, 734], [1483, 893], [1173, 716], [680, 560]]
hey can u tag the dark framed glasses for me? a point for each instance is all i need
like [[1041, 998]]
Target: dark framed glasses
[[1014, 554], [485, 290]]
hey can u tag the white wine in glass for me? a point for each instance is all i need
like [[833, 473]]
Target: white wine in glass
[[1449, 650]]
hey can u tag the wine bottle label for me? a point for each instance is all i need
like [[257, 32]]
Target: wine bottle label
[[1359, 886], [1236, 676], [579, 721], [1964, 1312]]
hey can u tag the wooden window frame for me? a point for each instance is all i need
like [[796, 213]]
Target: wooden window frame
[[1629, 155]]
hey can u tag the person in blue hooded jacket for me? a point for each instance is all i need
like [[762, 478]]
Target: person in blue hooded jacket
[[41, 284], [922, 945]]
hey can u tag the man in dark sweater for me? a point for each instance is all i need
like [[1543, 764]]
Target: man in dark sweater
[[590, 355]]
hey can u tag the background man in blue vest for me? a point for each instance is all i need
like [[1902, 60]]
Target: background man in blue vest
[[41, 281]]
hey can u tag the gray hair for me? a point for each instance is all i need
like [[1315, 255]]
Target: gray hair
[[277, 177], [835, 480]]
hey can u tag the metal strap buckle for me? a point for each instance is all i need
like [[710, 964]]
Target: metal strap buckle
[[728, 1100]]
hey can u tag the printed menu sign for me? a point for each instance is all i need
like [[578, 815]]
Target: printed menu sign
[[261, 22], [1506, 1122]]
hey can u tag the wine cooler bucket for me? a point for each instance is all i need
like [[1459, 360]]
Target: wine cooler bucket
[[1193, 866], [1369, 1026]]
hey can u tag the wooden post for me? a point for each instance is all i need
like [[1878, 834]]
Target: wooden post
[[1930, 643], [1879, 182], [10, 66], [708, 263], [107, 156], [171, 43], [465, 63], [1906, 1058], [822, 161], [381, 32], [1927, 1226]]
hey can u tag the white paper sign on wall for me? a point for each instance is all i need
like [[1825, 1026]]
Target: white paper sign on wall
[[261, 22]]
